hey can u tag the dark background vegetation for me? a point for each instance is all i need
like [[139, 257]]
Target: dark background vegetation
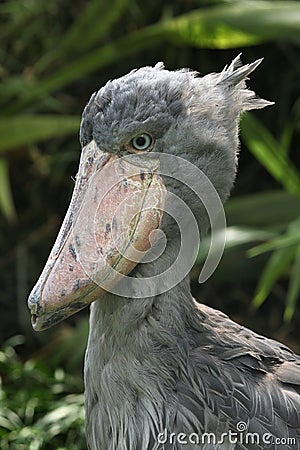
[[53, 55]]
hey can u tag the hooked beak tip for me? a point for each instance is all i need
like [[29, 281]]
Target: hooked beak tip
[[34, 308], [34, 319]]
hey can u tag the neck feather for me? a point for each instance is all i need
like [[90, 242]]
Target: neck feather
[[136, 349]]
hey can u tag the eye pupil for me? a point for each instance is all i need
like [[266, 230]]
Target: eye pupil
[[141, 142]]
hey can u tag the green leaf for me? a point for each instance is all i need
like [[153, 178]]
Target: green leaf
[[235, 237], [286, 136], [237, 24], [276, 265], [63, 416], [273, 209], [6, 199], [293, 293], [94, 23], [226, 26], [92, 61], [24, 130], [289, 238], [270, 154], [284, 241]]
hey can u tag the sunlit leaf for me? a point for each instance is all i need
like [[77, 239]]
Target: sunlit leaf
[[237, 24], [240, 235], [235, 237]]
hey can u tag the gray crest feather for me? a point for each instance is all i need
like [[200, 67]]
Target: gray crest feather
[[235, 76], [160, 65]]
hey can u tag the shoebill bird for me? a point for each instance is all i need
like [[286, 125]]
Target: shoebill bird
[[162, 371]]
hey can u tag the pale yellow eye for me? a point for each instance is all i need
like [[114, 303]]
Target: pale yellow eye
[[142, 141]]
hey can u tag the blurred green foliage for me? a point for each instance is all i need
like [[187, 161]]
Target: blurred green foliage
[[53, 55], [40, 407]]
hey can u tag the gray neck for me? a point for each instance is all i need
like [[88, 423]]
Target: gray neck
[[135, 349], [137, 322], [133, 326]]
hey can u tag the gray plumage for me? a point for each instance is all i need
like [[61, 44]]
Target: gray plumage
[[165, 362]]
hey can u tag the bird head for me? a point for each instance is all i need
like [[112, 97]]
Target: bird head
[[128, 129]]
